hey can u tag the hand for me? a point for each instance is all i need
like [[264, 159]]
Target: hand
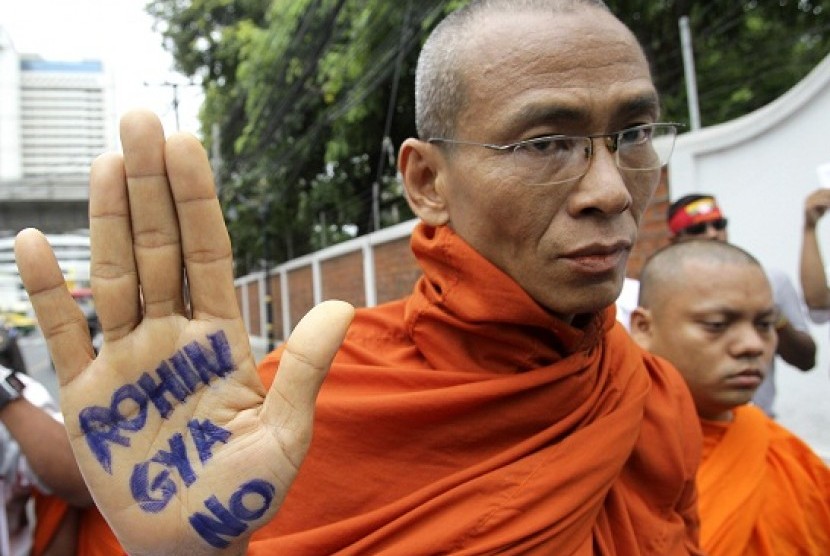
[[183, 450], [814, 207]]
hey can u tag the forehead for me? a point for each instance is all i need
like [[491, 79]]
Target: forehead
[[709, 286], [583, 66]]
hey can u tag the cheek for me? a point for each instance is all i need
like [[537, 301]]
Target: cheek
[[641, 187], [504, 211], [696, 358], [505, 225], [772, 346]]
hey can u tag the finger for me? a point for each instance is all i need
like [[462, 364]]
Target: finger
[[308, 354], [59, 317], [206, 246], [153, 217], [112, 265]]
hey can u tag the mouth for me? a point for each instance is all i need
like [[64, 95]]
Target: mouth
[[599, 258], [750, 378]]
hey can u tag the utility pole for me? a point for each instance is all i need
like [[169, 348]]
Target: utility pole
[[689, 72], [216, 155], [265, 212], [175, 86]]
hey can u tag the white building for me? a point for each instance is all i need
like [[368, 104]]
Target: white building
[[55, 118], [64, 120]]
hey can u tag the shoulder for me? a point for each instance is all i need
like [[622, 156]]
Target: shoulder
[[666, 379], [782, 438], [775, 274], [669, 408], [797, 469], [779, 281], [373, 329], [670, 405]]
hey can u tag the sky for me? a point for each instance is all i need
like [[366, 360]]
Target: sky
[[117, 32]]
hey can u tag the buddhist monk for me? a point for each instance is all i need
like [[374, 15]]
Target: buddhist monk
[[707, 307], [498, 409]]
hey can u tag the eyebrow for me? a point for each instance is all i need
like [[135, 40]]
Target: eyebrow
[[641, 104], [532, 114], [536, 113], [730, 313]]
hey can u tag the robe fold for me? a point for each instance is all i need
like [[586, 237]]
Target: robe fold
[[466, 419], [49, 512], [95, 538], [762, 490]]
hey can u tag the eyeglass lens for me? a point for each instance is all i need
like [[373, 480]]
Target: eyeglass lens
[[549, 160]]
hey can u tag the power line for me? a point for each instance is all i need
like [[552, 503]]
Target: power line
[[175, 87], [360, 90]]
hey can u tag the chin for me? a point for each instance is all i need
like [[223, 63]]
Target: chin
[[586, 307]]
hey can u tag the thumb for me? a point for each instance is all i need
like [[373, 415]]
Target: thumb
[[304, 364]]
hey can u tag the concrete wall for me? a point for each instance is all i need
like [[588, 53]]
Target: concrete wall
[[365, 271]]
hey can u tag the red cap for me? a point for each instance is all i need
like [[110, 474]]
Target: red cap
[[696, 212]]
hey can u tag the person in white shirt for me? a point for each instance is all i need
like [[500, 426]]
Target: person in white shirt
[[34, 454]]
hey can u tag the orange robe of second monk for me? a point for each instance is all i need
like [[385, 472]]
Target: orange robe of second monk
[[466, 419], [762, 490]]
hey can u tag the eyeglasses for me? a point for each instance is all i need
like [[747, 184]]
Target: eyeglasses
[[700, 228], [554, 159]]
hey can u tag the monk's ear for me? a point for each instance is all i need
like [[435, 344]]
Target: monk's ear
[[421, 165], [641, 327]]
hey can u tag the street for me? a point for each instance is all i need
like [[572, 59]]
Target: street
[[38, 363]]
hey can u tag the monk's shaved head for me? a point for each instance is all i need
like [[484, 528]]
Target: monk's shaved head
[[665, 272], [707, 307], [440, 92]]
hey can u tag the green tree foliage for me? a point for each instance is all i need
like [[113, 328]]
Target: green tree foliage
[[747, 53], [306, 101]]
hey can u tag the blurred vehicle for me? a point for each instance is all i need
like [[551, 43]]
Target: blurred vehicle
[[21, 320], [15, 307]]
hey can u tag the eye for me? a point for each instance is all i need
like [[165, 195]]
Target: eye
[[636, 135], [551, 145], [765, 325], [714, 326]]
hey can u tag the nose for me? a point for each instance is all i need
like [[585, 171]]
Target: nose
[[711, 232], [752, 343], [603, 188]]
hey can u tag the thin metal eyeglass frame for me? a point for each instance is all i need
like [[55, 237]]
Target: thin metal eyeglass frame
[[612, 141]]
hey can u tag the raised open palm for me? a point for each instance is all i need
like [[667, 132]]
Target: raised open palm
[[182, 448]]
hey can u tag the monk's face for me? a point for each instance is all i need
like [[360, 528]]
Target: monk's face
[[529, 75], [716, 324]]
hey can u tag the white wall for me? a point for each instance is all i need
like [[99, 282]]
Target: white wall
[[761, 167]]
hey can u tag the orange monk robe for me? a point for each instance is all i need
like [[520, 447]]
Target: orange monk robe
[[94, 536], [50, 512], [762, 490], [465, 419]]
